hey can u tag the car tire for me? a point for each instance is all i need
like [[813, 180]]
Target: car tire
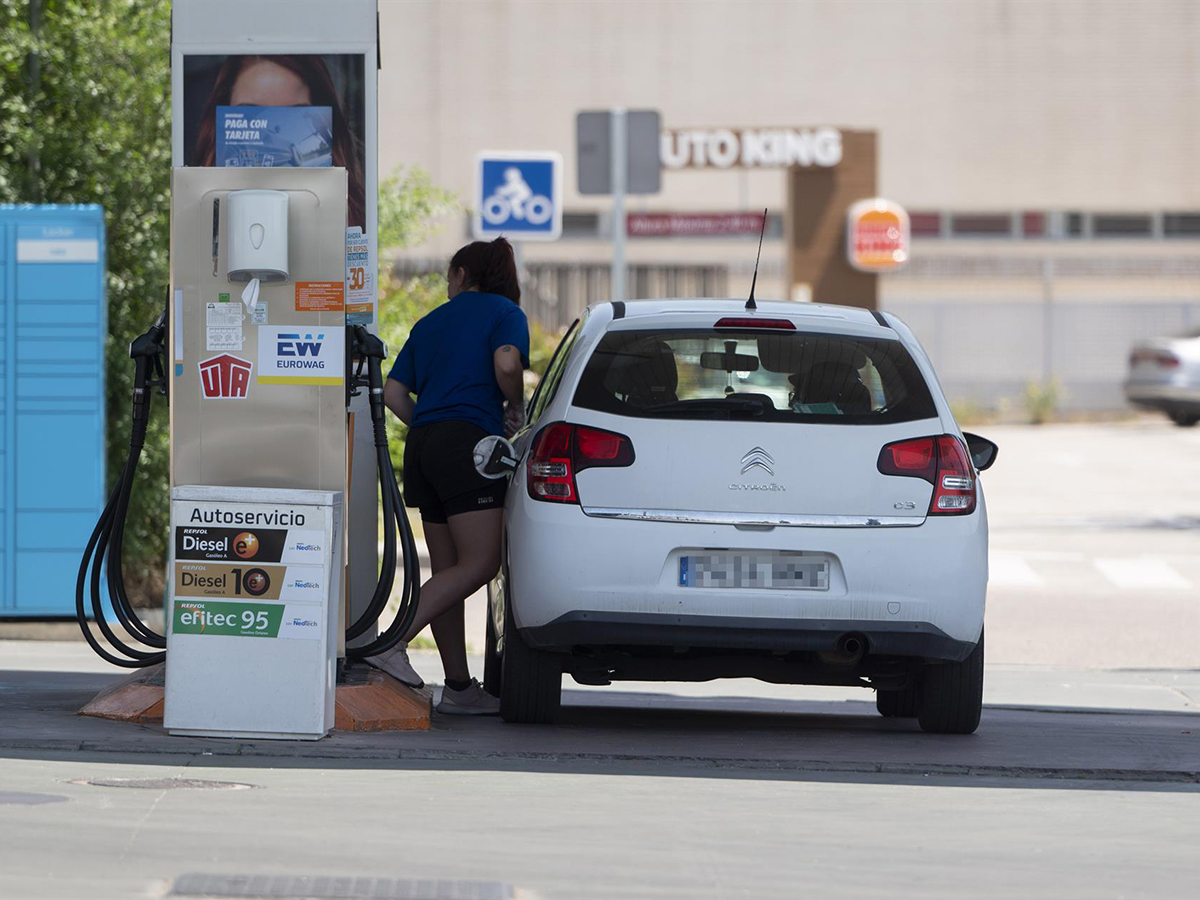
[[1185, 419], [951, 695], [901, 704], [492, 661], [531, 681]]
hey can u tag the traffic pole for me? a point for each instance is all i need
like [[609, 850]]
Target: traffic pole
[[618, 155]]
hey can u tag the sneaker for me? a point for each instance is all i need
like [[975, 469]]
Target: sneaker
[[395, 663], [472, 700]]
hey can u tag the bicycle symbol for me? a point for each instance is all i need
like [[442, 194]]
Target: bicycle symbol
[[514, 199]]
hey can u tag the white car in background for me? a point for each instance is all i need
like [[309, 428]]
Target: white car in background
[[711, 491], [1164, 375]]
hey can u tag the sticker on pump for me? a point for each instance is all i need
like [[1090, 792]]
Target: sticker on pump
[[263, 620], [320, 296], [264, 545], [265, 582], [225, 377], [295, 354]]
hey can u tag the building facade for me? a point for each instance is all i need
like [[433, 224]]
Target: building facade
[[1043, 150]]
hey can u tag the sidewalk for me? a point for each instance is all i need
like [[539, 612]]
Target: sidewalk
[[1042, 723]]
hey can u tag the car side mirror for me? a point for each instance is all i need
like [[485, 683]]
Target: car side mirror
[[983, 452]]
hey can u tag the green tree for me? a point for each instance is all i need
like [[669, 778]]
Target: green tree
[[85, 117]]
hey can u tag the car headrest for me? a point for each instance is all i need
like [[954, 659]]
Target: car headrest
[[645, 370], [832, 382], [798, 352]]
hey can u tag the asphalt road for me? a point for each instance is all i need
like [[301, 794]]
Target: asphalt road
[[1083, 780], [1095, 545]]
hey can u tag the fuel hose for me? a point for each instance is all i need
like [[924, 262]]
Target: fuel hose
[[101, 561], [372, 350], [102, 556]]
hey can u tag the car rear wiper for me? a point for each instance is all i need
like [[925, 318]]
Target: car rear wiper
[[708, 405]]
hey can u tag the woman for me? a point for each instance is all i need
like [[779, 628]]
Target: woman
[[463, 361], [284, 81]]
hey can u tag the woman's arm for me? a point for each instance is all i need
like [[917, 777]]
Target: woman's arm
[[510, 375], [398, 399]]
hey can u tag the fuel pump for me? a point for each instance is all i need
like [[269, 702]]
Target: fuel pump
[[261, 368]]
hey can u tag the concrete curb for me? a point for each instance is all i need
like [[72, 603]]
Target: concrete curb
[[333, 752]]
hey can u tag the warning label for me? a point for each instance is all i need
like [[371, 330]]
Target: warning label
[[320, 296]]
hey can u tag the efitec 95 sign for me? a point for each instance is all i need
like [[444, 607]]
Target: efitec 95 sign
[[877, 235]]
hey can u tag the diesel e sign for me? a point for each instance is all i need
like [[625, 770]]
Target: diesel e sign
[[291, 354]]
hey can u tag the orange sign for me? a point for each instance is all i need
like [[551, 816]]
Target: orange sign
[[320, 296], [877, 236]]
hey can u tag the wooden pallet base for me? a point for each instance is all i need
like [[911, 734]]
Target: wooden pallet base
[[376, 702]]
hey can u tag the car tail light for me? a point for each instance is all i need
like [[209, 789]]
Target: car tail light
[[561, 451], [943, 462], [1164, 359], [747, 322]]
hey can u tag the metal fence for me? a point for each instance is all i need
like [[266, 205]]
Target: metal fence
[[554, 294], [987, 352]]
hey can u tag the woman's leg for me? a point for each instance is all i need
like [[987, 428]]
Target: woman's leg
[[448, 628], [476, 537]]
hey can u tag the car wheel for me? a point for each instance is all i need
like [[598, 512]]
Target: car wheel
[[901, 704], [491, 655], [531, 683], [1185, 419], [951, 695]]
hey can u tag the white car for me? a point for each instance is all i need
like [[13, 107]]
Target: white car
[[709, 491], [1164, 374]]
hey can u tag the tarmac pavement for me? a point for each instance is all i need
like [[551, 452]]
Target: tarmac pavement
[[1077, 784], [1082, 781]]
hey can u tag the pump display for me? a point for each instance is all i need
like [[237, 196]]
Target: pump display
[[262, 366]]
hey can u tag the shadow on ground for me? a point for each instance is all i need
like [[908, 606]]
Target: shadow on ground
[[657, 734]]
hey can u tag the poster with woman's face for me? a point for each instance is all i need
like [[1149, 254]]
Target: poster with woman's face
[[286, 110]]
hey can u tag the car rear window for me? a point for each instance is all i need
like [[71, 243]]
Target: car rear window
[[785, 376]]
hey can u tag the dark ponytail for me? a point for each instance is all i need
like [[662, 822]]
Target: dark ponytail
[[491, 268]]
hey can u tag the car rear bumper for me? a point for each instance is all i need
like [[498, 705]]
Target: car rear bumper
[[1164, 395], [567, 570], [581, 628]]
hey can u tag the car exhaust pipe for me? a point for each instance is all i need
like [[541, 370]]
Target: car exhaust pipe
[[850, 649], [852, 645]]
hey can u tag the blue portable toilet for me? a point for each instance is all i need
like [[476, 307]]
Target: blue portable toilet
[[52, 275]]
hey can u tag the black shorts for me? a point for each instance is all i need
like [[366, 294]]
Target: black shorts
[[439, 472]]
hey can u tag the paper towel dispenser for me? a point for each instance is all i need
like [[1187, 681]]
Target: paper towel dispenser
[[258, 236]]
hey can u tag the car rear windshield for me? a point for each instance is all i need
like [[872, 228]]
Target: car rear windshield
[[776, 377]]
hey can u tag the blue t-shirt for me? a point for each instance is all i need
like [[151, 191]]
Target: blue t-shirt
[[448, 360]]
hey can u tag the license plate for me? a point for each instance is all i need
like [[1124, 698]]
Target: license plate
[[765, 570]]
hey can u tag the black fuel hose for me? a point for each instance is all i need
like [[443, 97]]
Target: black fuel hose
[[395, 521], [104, 547], [102, 555]]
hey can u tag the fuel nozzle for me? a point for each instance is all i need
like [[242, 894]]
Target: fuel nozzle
[[370, 350], [146, 351]]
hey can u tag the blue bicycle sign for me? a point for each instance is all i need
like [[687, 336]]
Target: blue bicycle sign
[[518, 195]]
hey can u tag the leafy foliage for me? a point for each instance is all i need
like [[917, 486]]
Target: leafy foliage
[[85, 117]]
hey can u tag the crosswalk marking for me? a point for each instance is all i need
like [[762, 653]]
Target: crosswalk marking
[[1144, 573], [1010, 570], [1047, 569]]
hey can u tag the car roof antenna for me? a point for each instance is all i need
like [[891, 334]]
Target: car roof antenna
[[750, 304]]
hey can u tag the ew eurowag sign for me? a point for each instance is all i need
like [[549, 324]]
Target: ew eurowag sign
[[750, 148]]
